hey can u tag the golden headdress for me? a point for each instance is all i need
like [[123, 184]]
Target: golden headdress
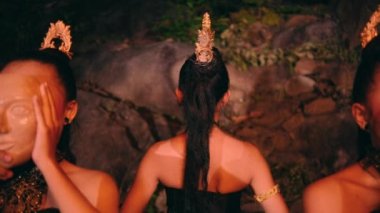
[[205, 43], [61, 31], [369, 31]]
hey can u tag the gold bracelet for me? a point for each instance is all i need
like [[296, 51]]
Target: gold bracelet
[[266, 195]]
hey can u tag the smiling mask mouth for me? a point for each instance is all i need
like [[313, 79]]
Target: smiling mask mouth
[[5, 146]]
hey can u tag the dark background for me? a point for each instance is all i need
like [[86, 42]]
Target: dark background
[[24, 22]]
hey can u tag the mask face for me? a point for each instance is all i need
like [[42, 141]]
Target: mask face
[[17, 117], [43, 73]]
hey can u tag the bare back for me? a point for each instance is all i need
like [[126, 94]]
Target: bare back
[[350, 190], [234, 165], [230, 162]]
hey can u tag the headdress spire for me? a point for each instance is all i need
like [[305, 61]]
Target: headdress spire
[[61, 31], [205, 42], [370, 31]]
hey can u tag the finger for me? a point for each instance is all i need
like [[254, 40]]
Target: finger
[[38, 112], [51, 105], [5, 174], [46, 111]]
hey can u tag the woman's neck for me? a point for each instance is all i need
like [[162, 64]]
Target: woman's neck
[[215, 132]]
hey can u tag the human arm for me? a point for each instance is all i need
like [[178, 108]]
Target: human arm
[[65, 193], [262, 182], [69, 198], [144, 185]]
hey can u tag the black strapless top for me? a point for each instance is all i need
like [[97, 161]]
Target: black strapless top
[[216, 202]]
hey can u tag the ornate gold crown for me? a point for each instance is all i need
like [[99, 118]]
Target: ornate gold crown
[[203, 47], [61, 31], [369, 31]]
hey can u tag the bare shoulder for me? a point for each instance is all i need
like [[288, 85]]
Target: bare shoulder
[[172, 147], [246, 149], [158, 145], [233, 141], [86, 176], [341, 192], [323, 188], [326, 194], [335, 182], [248, 154], [252, 151], [97, 186], [154, 148]]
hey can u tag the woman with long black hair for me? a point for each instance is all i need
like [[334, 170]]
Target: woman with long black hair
[[357, 187], [204, 169]]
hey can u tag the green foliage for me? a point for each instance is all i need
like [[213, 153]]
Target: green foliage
[[270, 17], [238, 45], [244, 58], [261, 14], [330, 51], [182, 20], [235, 40], [181, 14], [291, 9]]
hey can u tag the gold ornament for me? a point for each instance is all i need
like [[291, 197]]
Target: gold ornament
[[61, 31], [23, 193], [369, 31], [266, 195], [203, 47]]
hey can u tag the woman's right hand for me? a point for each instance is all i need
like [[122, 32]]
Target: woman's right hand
[[5, 161]]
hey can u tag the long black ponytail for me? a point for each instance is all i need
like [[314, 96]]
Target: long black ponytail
[[202, 85]]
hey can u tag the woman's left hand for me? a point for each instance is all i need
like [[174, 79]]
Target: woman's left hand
[[48, 127]]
